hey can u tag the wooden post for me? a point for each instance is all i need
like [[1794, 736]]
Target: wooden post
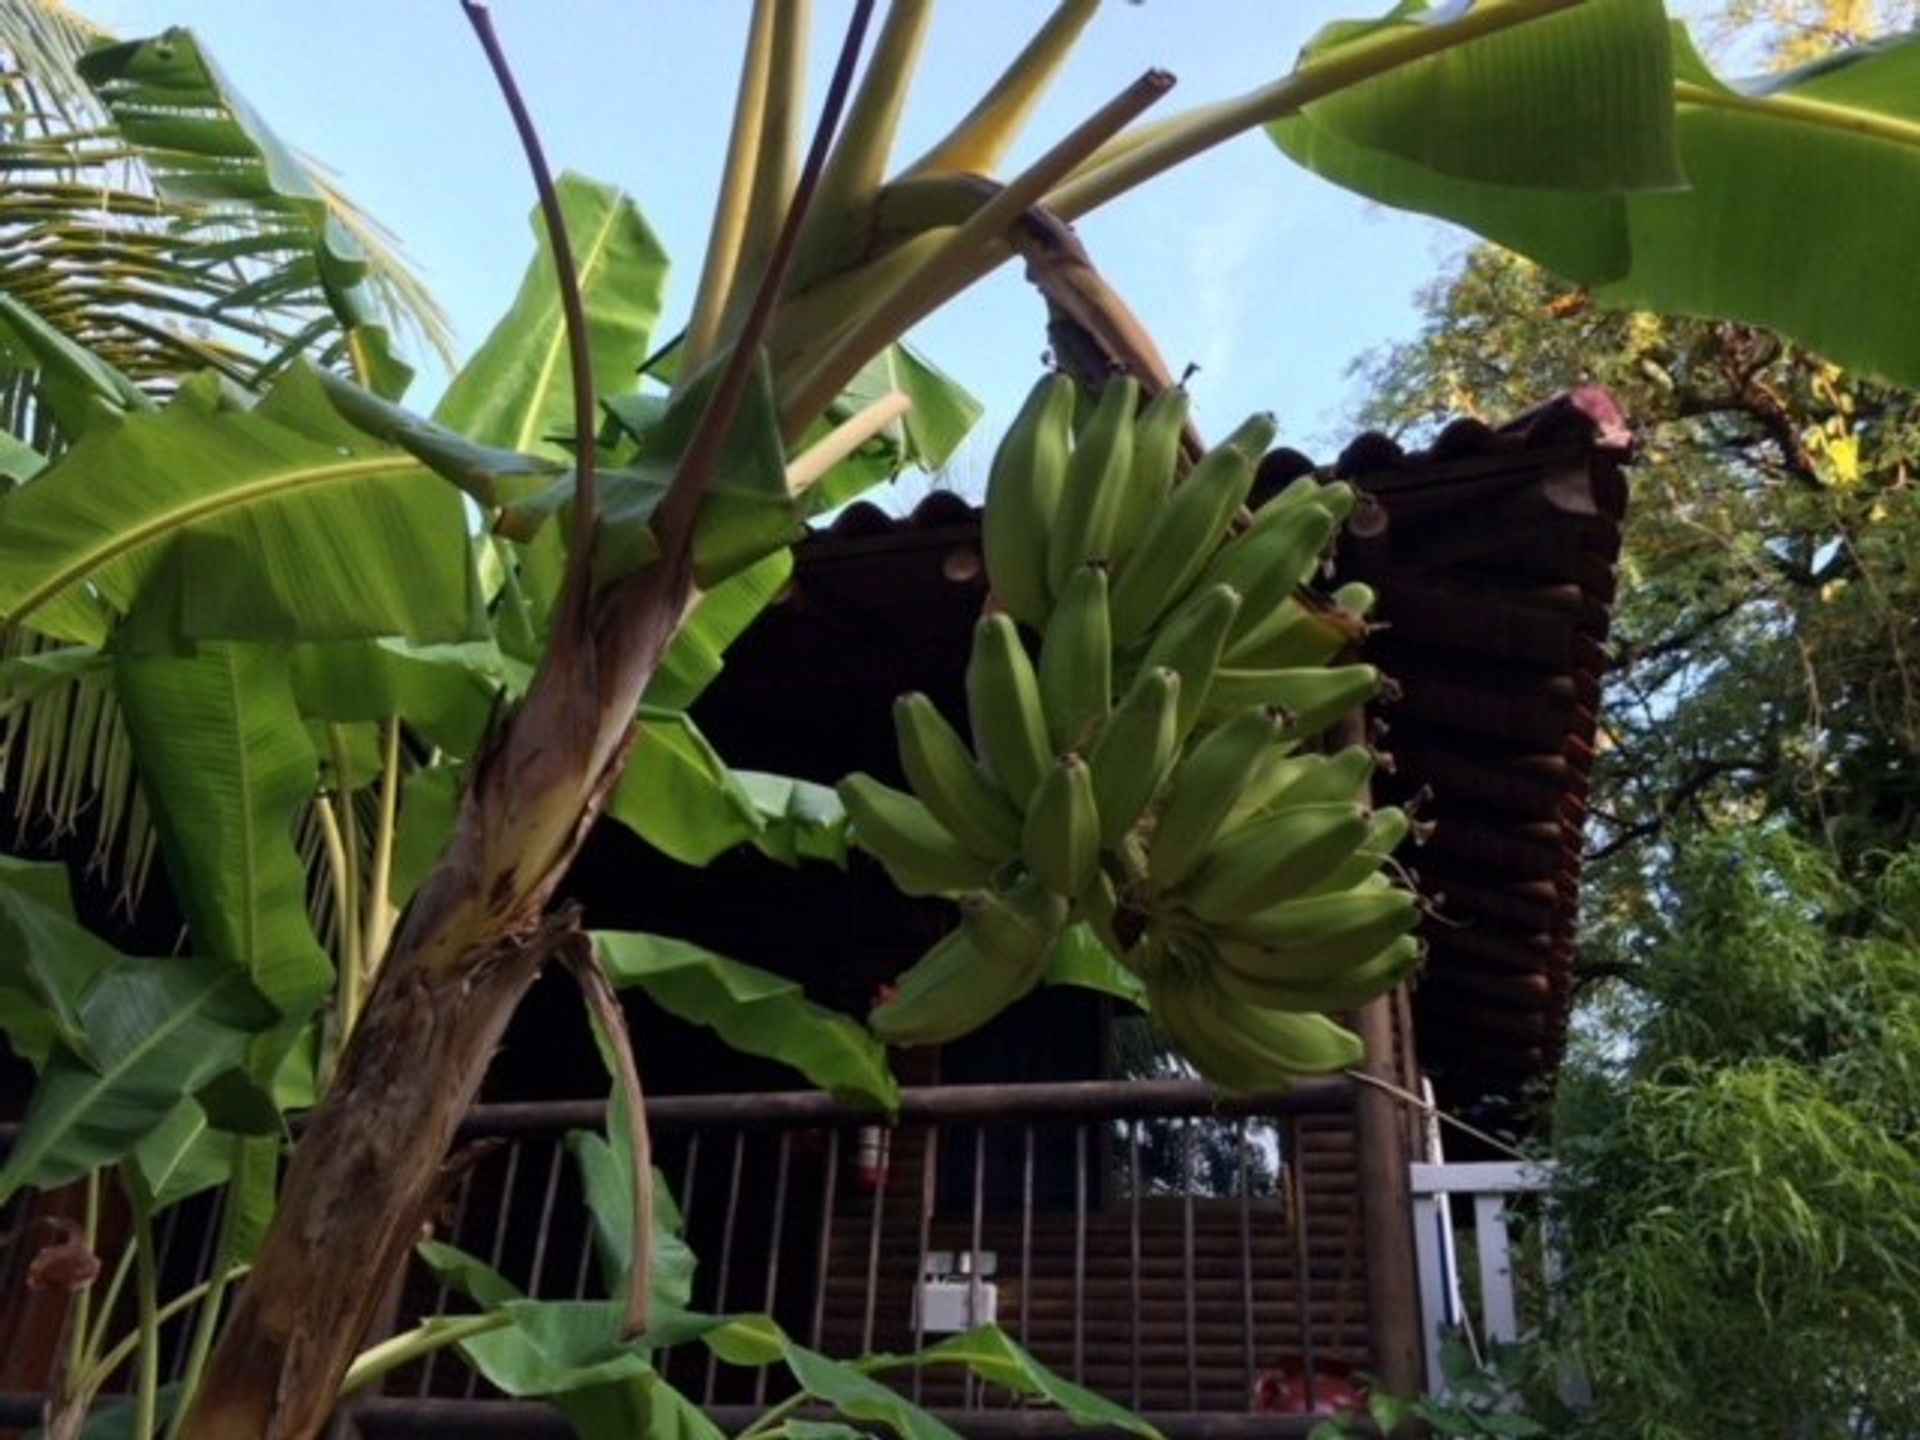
[[1386, 1213], [1386, 1198]]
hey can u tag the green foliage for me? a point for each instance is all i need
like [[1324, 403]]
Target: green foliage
[[754, 1011], [228, 767], [1838, 138], [205, 512], [1741, 1210]]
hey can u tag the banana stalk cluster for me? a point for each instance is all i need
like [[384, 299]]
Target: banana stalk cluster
[[1148, 768]]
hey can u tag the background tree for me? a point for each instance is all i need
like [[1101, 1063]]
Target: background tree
[[1736, 1122]]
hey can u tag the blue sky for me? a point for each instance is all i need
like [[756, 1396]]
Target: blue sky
[[1269, 279]]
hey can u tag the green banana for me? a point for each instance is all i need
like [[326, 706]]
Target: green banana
[[1314, 696], [1209, 780], [1017, 924], [1023, 492], [953, 989], [1134, 751], [943, 774], [1269, 562], [1092, 492], [1290, 779], [1189, 644], [1318, 937], [1097, 909], [1356, 597], [1240, 1047], [1061, 837], [1003, 706], [1276, 858], [1157, 435], [1338, 498], [1343, 775], [1183, 535], [1076, 661], [1386, 828], [1298, 491], [1302, 630], [921, 855], [1366, 981]]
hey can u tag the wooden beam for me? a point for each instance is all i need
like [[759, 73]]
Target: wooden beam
[[1386, 1201]]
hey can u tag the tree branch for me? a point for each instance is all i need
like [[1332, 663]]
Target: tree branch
[[1702, 775]]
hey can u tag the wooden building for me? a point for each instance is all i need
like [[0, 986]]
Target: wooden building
[[1222, 1268]]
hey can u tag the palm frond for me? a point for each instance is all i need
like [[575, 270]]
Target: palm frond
[[41, 42], [66, 761], [404, 299], [150, 217]]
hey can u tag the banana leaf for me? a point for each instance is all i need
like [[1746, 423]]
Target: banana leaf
[[203, 145], [280, 521], [746, 512], [606, 1174], [679, 796], [48, 961], [155, 1032], [753, 1011], [696, 654], [516, 391], [1800, 191], [926, 437], [227, 768], [447, 693]]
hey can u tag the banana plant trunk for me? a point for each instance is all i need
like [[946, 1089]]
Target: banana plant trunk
[[364, 1175]]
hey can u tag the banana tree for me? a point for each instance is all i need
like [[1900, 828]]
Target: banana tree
[[275, 577]]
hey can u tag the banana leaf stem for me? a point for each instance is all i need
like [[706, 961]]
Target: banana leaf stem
[[806, 469], [206, 1324], [103, 1368], [77, 1324], [1803, 111], [586, 490], [772, 1423], [380, 915], [146, 1398], [347, 1003], [1132, 160], [776, 167], [726, 235], [837, 224], [674, 517], [403, 1349], [985, 133], [959, 261], [97, 1336]]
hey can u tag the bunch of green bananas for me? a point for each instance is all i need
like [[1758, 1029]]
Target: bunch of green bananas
[[1147, 772]]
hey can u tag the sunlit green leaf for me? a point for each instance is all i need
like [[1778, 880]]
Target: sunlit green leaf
[[1795, 188], [746, 512], [1575, 101], [517, 389], [277, 522]]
